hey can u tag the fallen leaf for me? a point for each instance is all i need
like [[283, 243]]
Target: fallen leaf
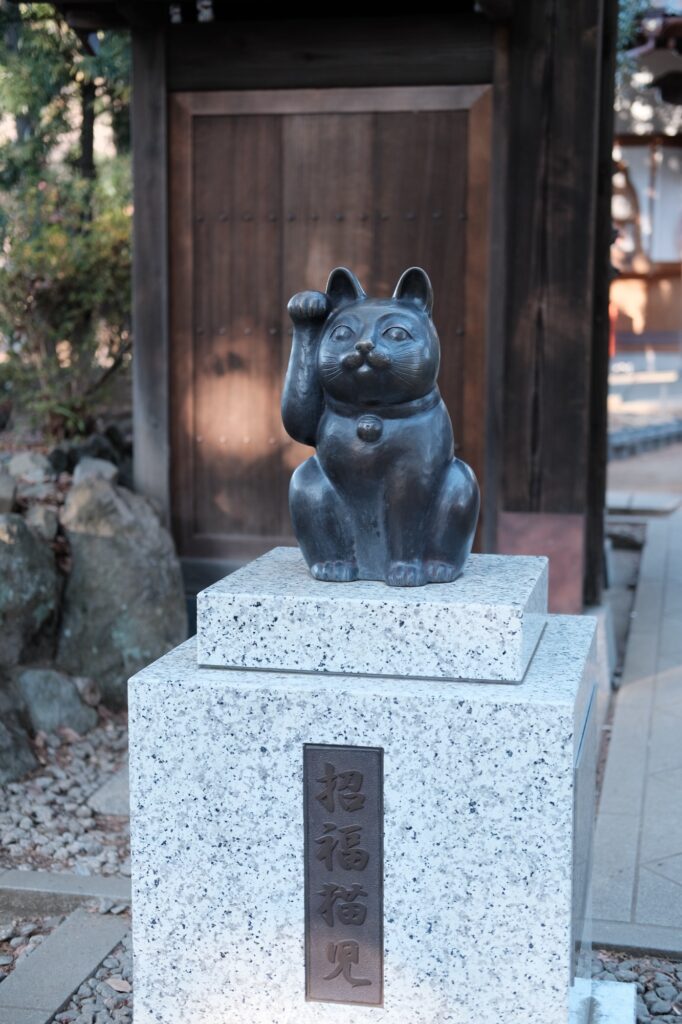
[[69, 735], [119, 984]]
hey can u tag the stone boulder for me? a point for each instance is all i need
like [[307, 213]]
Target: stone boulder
[[124, 601], [32, 467], [16, 754], [89, 467], [43, 520], [53, 699], [8, 492], [29, 593]]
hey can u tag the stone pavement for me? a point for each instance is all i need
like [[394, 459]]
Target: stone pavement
[[637, 897], [113, 798], [23, 893], [42, 983]]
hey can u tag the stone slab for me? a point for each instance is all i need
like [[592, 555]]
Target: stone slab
[[603, 1002], [14, 1015], [637, 892], [114, 796], [633, 937], [479, 793], [45, 980], [613, 877], [655, 503], [46, 892], [272, 614]]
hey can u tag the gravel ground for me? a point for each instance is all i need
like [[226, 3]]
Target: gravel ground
[[19, 938], [659, 983], [45, 821], [107, 997]]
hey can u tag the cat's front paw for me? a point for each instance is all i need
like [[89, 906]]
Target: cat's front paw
[[335, 572], [406, 574], [441, 572], [306, 306]]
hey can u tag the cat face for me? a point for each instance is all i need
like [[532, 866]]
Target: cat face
[[379, 351]]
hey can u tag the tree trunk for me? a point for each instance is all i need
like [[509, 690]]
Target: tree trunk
[[12, 33], [120, 123], [86, 163]]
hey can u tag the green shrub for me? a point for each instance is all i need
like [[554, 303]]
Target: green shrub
[[65, 290]]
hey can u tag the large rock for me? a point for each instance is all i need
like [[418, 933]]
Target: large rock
[[16, 755], [124, 603], [52, 699], [29, 593], [8, 491], [44, 521], [89, 467], [33, 467]]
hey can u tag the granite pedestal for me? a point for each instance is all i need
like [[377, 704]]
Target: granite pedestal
[[488, 797], [273, 614]]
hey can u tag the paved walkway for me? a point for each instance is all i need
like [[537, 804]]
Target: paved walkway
[[637, 897]]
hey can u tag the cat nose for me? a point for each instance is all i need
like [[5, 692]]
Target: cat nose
[[364, 346]]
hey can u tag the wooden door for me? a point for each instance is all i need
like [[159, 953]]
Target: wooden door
[[269, 191]]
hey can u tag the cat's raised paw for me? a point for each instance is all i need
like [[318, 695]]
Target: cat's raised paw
[[440, 572], [335, 572], [305, 306], [406, 574]]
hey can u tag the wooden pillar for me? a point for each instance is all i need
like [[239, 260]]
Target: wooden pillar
[[599, 378], [553, 111], [150, 269]]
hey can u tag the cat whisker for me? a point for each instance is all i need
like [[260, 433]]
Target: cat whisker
[[406, 377]]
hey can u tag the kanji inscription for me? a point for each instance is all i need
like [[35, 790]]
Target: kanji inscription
[[343, 796]]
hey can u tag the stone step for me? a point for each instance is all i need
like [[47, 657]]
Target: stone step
[[23, 893], [43, 982]]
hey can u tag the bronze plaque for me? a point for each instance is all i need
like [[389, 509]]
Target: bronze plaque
[[344, 873]]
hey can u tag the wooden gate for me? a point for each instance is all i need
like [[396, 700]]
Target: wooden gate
[[269, 190]]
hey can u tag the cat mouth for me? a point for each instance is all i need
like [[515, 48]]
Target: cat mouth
[[364, 363]]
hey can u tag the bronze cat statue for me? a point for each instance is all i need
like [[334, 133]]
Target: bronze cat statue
[[384, 497]]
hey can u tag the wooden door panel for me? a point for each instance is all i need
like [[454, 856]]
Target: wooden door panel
[[268, 196], [420, 183], [237, 478], [327, 197]]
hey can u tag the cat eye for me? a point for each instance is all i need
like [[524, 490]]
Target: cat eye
[[397, 334], [342, 333]]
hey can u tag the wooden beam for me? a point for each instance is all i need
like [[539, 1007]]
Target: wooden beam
[[90, 16], [142, 16], [497, 10], [304, 53], [497, 287], [555, 74], [150, 270], [599, 375], [91, 20]]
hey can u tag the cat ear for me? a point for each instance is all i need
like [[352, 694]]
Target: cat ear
[[343, 286], [414, 286]]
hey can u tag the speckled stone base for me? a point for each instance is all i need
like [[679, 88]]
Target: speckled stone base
[[479, 791], [272, 614]]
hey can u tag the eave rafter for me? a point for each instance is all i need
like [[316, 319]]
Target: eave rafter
[[90, 15]]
